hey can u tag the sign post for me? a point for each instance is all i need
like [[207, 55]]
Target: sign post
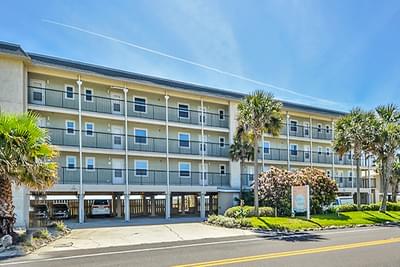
[[301, 200]]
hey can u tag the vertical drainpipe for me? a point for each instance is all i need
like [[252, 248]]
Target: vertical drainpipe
[[202, 196], [263, 154], [168, 195], [311, 129], [288, 140], [81, 196], [126, 198], [333, 151]]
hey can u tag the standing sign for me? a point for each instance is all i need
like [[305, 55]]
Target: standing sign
[[301, 200]]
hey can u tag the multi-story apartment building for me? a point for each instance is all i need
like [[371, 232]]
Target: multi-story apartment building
[[161, 144]]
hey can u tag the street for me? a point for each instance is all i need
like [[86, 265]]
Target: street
[[374, 246]]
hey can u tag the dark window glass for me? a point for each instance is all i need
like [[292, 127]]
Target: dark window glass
[[140, 104]]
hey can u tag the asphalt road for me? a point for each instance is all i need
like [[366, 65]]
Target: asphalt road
[[377, 246]]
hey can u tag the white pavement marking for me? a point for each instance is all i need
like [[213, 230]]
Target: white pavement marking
[[180, 246]]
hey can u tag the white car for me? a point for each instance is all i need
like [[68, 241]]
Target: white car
[[101, 207]]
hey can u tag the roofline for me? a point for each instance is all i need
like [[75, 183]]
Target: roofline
[[46, 60]]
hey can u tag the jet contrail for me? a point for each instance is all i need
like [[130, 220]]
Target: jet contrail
[[320, 100]]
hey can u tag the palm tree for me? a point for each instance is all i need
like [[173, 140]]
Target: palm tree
[[395, 179], [386, 143], [241, 150], [26, 158], [259, 113], [353, 132]]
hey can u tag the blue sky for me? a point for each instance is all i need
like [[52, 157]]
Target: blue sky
[[333, 54]]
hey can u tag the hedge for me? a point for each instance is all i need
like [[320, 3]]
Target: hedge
[[370, 207], [229, 222], [248, 211]]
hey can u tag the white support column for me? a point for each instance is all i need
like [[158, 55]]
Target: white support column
[[126, 206], [168, 193], [263, 155], [153, 206], [81, 212], [311, 142], [368, 160], [288, 139], [333, 151], [203, 174]]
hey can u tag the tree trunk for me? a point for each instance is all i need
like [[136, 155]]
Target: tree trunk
[[394, 193], [358, 183], [386, 173], [7, 216], [241, 182], [256, 177]]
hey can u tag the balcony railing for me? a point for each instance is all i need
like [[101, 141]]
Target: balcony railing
[[107, 176], [94, 139], [350, 182], [306, 131], [342, 182], [280, 154], [58, 98]]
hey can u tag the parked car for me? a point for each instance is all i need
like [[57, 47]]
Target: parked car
[[345, 200], [41, 212], [60, 211], [101, 207]]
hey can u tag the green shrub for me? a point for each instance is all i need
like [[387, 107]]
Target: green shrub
[[60, 226], [248, 211], [370, 207], [346, 208], [390, 206], [42, 234], [228, 222]]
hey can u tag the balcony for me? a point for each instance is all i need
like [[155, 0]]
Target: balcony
[[62, 137], [57, 98], [106, 176], [302, 156], [306, 131], [342, 182], [350, 182]]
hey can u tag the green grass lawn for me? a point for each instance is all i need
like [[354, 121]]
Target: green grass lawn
[[317, 221]]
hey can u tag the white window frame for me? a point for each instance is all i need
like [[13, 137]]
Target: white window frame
[[134, 133], [145, 104], [307, 151], [269, 147], [94, 163], [328, 151], [306, 126], [223, 114], [319, 150], [179, 139], [222, 165], [86, 132], [66, 127], [190, 169], [65, 91], [319, 127], [147, 167], [219, 141], [75, 163], [328, 173], [188, 117], [91, 90], [297, 125]]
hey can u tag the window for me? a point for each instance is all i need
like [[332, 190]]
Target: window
[[266, 147], [184, 169], [319, 150], [350, 174], [70, 127], [116, 103], [184, 140], [306, 129], [71, 162], [222, 169], [340, 158], [141, 167], [306, 152], [141, 136], [117, 139], [319, 128], [293, 126], [88, 95], [221, 113], [90, 163], [328, 173], [328, 151], [69, 91], [183, 111], [89, 128], [140, 104], [293, 150], [328, 129], [37, 96], [221, 141], [117, 173]]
